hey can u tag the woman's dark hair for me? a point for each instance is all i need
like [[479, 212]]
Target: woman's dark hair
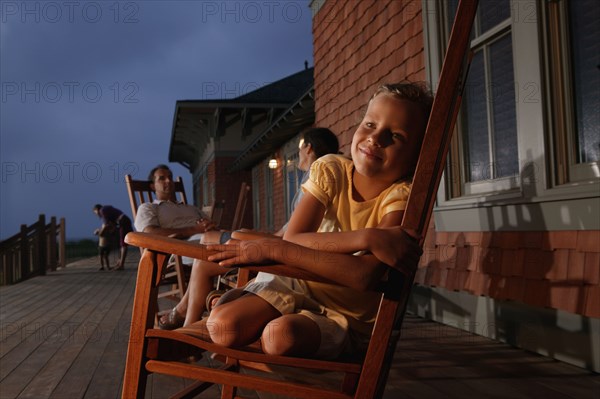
[[157, 167], [322, 140]]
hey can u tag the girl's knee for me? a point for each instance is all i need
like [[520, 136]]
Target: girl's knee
[[290, 336], [221, 327], [241, 321], [276, 339]]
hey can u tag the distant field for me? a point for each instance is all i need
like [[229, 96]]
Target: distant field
[[85, 248], [79, 249]]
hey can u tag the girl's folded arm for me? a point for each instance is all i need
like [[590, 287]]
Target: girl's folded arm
[[359, 272], [306, 220]]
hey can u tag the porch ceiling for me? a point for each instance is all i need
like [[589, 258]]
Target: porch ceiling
[[297, 117], [284, 107], [196, 122]]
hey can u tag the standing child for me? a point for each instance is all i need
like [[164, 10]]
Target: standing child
[[121, 221], [363, 201], [105, 237]]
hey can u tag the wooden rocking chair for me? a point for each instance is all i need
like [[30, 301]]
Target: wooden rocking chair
[[151, 351], [240, 208], [214, 211], [140, 192]]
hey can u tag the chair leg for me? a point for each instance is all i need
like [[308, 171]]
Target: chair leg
[[180, 276], [376, 353], [228, 392], [134, 383], [349, 383]]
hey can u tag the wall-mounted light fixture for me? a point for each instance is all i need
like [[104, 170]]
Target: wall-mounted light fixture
[[273, 163]]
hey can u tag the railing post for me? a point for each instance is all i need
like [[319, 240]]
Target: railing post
[[52, 244], [41, 239], [23, 264], [62, 243]]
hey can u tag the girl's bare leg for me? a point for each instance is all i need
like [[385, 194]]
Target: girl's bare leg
[[199, 286], [291, 335], [241, 321]]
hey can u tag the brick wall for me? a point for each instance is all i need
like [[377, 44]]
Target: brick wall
[[359, 45], [279, 208], [227, 187]]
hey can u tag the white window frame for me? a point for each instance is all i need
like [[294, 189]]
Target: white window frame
[[291, 167], [290, 159], [557, 70], [484, 206]]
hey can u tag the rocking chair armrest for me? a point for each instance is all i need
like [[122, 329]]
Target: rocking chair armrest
[[246, 234], [282, 269], [167, 245]]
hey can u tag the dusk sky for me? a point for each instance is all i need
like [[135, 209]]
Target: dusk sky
[[88, 91]]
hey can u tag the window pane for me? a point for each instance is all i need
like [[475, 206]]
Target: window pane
[[503, 108], [492, 12], [585, 44], [451, 8], [476, 129]]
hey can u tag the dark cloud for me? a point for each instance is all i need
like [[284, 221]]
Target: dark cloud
[[88, 97]]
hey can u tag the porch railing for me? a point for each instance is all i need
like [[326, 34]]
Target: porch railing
[[34, 250]]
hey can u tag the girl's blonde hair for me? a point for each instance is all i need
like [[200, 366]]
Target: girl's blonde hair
[[417, 92]]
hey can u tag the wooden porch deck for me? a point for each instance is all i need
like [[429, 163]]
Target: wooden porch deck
[[65, 335]]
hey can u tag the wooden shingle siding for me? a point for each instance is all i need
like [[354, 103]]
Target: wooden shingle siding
[[553, 269]]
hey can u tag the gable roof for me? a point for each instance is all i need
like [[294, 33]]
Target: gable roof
[[195, 122]]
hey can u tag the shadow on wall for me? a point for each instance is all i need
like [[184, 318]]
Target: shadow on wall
[[446, 266], [522, 267], [507, 282]]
